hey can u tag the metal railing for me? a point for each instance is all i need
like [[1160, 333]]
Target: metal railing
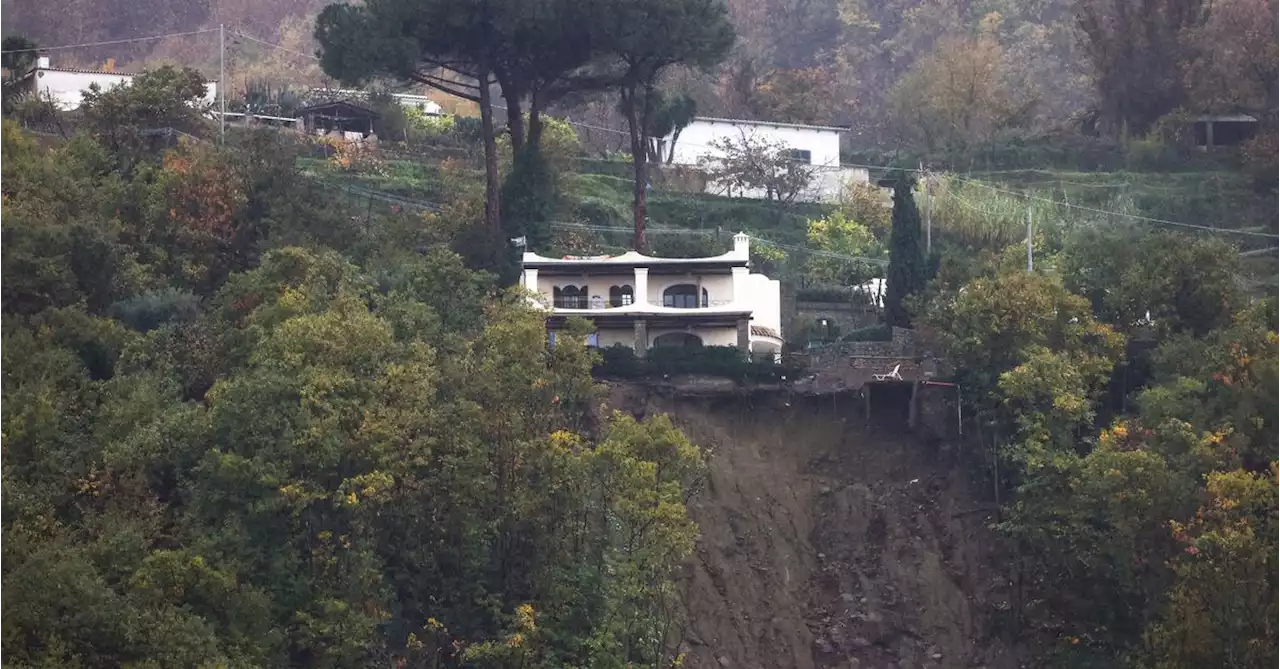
[[704, 304], [587, 303]]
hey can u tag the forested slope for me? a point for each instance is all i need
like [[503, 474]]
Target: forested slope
[[239, 430]]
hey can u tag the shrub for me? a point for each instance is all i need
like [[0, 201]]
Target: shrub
[[422, 126], [153, 309], [392, 123], [602, 212], [1150, 153], [559, 146], [354, 156], [618, 361], [1259, 154], [725, 361]]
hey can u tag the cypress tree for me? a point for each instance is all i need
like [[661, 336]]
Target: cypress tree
[[907, 265], [529, 198]]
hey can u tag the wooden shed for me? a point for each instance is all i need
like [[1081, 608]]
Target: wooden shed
[[341, 115]]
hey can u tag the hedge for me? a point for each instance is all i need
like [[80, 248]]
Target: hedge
[[620, 361]]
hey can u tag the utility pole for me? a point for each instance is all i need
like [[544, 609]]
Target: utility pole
[[928, 212], [222, 88], [1030, 266]]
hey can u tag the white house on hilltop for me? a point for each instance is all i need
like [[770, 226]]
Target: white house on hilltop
[[641, 302], [66, 86], [814, 145]]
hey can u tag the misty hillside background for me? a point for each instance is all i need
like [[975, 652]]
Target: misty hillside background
[[828, 61]]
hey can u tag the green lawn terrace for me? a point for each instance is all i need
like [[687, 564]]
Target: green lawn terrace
[[980, 210]]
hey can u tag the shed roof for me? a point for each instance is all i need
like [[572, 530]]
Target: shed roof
[[347, 108], [83, 70]]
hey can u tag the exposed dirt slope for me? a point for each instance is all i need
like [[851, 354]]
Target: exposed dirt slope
[[828, 543]]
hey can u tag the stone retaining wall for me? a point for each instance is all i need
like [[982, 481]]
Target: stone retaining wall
[[902, 345], [847, 317], [850, 364]]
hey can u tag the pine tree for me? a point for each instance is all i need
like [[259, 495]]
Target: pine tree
[[907, 267]]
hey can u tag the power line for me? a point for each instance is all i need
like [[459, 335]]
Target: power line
[[111, 42], [1258, 252], [1116, 213], [275, 46]]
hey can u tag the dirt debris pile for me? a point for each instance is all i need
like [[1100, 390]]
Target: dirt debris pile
[[827, 542]]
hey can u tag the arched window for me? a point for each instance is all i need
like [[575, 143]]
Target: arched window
[[683, 296], [678, 340], [570, 297], [620, 296]]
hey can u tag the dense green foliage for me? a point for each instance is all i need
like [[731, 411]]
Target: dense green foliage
[[247, 424], [621, 362], [1131, 436], [18, 58], [529, 192], [537, 51], [255, 419], [907, 269]]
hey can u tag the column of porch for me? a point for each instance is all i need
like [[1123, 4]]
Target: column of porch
[[641, 298]]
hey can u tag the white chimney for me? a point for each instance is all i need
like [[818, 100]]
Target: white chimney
[[42, 62], [742, 245]]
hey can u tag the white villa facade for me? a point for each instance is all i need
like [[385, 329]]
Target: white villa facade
[[641, 302], [815, 145], [66, 86]]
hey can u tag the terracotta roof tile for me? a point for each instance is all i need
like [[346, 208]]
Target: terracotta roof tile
[[762, 331]]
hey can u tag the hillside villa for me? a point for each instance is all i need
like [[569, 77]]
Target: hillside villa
[[642, 302], [815, 145]]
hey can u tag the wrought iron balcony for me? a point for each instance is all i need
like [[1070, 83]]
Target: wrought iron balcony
[[575, 302]]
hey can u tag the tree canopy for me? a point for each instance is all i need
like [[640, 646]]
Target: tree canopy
[[907, 269], [18, 58], [642, 41], [243, 429]]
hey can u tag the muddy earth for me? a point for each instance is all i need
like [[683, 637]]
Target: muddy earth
[[828, 540]]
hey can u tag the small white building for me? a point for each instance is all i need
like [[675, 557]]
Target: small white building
[[815, 145], [641, 301], [66, 86], [420, 102]]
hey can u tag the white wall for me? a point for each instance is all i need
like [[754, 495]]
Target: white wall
[[829, 181], [710, 336], [67, 88], [823, 146], [719, 287], [598, 284], [695, 140], [766, 301]]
